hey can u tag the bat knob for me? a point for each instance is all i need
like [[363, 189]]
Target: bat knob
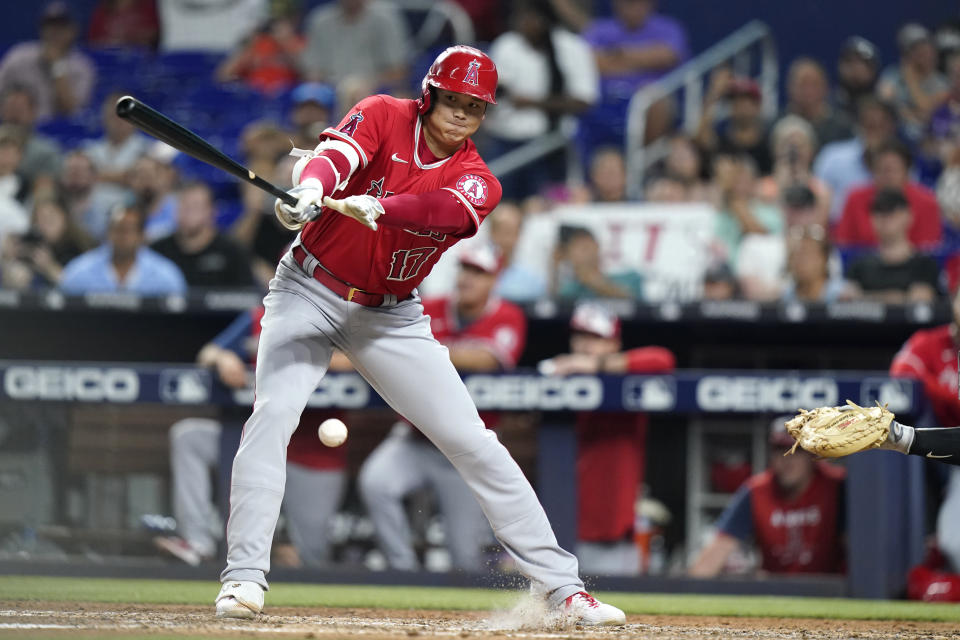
[[125, 105]]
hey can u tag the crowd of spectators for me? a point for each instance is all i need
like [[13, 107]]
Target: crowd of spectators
[[805, 203]]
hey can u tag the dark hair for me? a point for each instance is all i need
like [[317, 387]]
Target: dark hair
[[889, 146], [871, 101], [799, 196], [568, 233], [190, 185], [544, 8], [888, 201], [124, 208]]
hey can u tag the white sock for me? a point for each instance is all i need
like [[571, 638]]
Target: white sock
[[900, 438]]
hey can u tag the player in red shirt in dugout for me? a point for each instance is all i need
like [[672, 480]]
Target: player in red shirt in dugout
[[611, 447], [793, 512], [382, 196]]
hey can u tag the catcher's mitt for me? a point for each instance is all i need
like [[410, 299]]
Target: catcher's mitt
[[833, 432]]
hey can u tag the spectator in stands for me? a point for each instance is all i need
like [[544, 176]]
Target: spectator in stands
[[87, 201], [890, 166], [546, 75], [124, 23], [719, 283], [667, 188], [315, 474], [204, 255], [59, 76], [809, 277], [808, 91], [314, 109], [576, 272], [914, 85], [948, 197], [894, 273], [152, 181], [928, 356], [357, 38], [684, 162], [482, 334], [793, 512], [745, 130], [945, 121], [118, 150], [607, 176], [123, 263], [517, 282], [794, 143], [35, 259], [857, 70], [268, 60], [741, 214], [41, 155], [611, 447], [841, 165], [12, 185], [633, 48]]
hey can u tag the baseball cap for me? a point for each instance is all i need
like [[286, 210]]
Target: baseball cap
[[860, 47], [596, 320], [912, 34], [744, 87], [482, 256], [778, 436], [887, 201], [318, 92], [56, 13]]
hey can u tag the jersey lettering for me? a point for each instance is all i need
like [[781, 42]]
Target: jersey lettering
[[433, 235], [350, 127], [406, 263], [471, 77]]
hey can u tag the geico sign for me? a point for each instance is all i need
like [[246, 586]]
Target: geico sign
[[747, 393], [86, 384], [576, 393], [347, 391]]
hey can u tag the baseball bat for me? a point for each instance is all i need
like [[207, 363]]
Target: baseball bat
[[179, 137]]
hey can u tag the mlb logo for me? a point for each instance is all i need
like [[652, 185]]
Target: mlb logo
[[896, 394], [184, 386], [649, 393]]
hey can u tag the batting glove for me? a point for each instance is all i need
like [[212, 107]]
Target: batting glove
[[309, 195], [363, 209]]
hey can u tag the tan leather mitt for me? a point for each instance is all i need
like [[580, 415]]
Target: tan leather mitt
[[833, 432]]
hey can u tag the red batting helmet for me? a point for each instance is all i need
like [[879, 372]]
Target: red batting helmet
[[464, 70]]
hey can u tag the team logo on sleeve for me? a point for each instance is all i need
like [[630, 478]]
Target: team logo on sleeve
[[472, 69], [350, 127], [474, 188]]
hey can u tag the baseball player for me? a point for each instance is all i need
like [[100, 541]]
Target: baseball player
[[379, 200], [315, 474], [482, 333], [611, 449]]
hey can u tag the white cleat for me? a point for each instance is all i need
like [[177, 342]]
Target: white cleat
[[582, 608], [239, 599]]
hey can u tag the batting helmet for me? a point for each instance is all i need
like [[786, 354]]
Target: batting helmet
[[464, 70]]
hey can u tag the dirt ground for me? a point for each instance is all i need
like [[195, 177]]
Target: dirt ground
[[52, 619]]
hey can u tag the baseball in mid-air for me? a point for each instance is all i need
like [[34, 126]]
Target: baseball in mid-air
[[332, 432]]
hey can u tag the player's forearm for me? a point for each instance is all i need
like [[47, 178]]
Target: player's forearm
[[438, 211], [942, 445], [473, 359], [711, 560]]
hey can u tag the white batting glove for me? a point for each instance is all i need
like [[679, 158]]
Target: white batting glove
[[309, 195], [363, 209]]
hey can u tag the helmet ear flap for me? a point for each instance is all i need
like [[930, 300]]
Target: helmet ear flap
[[427, 99]]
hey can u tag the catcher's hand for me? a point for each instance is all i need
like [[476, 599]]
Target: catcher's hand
[[363, 209], [309, 195], [833, 432]]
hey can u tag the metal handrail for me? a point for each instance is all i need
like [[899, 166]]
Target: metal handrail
[[689, 77]]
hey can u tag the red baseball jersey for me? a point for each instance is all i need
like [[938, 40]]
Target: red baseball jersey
[[930, 356], [611, 455], [385, 133], [502, 329], [800, 535]]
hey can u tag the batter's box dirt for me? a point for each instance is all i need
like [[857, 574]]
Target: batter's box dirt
[[52, 619]]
